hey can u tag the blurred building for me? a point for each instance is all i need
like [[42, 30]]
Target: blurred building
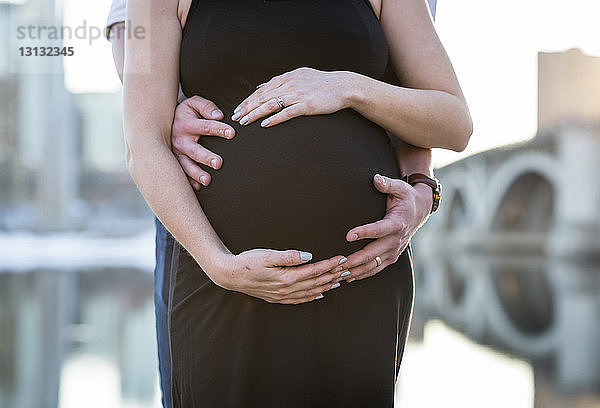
[[568, 88], [517, 236], [62, 170], [62, 156]]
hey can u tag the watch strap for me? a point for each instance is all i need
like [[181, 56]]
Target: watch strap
[[415, 178]]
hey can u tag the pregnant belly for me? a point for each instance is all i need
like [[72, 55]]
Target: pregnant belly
[[301, 184]]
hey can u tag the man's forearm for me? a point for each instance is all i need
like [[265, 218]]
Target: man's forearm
[[413, 159], [117, 40]]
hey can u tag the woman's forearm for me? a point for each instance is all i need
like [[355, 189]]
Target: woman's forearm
[[150, 82], [420, 117], [162, 182]]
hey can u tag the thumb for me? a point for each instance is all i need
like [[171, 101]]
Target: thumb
[[388, 185], [290, 257]]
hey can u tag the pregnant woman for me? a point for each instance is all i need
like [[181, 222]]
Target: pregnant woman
[[248, 326]]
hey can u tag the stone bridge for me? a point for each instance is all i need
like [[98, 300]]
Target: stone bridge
[[512, 257]]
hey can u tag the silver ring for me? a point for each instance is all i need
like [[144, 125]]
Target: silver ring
[[280, 102], [378, 260]]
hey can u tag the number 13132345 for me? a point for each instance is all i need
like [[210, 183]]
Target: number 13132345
[[46, 51]]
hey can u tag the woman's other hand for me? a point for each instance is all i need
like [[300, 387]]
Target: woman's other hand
[[280, 276], [195, 117], [407, 209], [304, 91]]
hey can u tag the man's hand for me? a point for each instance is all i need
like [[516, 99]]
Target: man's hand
[[407, 209], [195, 117]]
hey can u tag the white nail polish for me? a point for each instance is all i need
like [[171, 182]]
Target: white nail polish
[[236, 110], [335, 285], [265, 122], [305, 256], [344, 259], [345, 274], [319, 297], [244, 120], [235, 116]]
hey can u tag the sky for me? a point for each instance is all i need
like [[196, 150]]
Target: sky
[[493, 47]]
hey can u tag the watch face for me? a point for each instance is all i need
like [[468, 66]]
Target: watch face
[[437, 195]]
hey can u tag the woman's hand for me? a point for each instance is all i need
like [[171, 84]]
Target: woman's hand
[[305, 91], [195, 117], [407, 209], [280, 276]]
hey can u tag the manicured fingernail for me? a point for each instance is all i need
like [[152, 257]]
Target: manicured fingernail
[[319, 297], [345, 274], [216, 113], [353, 237], [213, 163], [344, 259], [265, 122], [305, 256], [236, 110], [228, 133], [203, 180], [236, 116], [335, 285], [244, 120]]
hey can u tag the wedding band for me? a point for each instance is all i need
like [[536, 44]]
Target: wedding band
[[280, 102], [378, 260]]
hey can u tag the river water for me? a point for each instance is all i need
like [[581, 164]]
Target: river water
[[80, 332]]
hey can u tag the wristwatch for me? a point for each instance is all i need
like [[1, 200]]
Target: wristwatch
[[434, 183]]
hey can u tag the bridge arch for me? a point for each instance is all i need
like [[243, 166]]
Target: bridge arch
[[536, 344], [522, 201], [460, 194], [505, 177]]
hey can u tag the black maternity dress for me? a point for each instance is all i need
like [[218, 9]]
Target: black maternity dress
[[302, 185]]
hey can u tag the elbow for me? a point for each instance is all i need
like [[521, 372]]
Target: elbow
[[465, 130], [130, 164], [129, 158], [139, 147], [462, 141]]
